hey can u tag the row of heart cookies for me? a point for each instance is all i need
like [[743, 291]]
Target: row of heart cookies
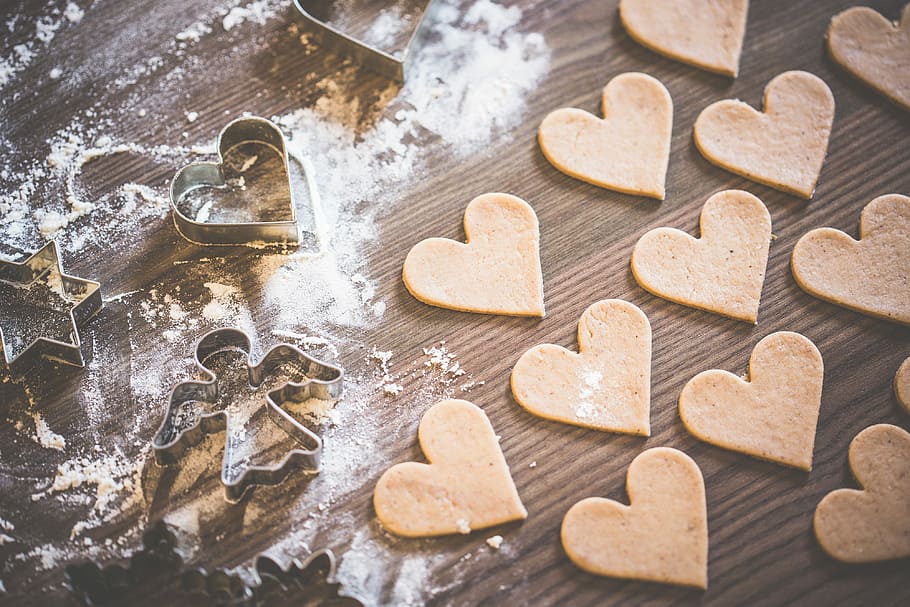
[[662, 535], [606, 386], [771, 415], [709, 35], [629, 149], [498, 271]]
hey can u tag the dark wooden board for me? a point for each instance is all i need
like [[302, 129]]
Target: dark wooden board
[[762, 550]]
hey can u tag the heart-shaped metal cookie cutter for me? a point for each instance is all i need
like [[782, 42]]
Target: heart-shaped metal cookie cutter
[[394, 66], [249, 129]]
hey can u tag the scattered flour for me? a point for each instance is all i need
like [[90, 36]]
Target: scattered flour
[[392, 389], [306, 341], [73, 13], [5, 539], [194, 33], [407, 574], [387, 382], [407, 590], [315, 410], [258, 12], [115, 479], [224, 303], [440, 358], [44, 436], [586, 409], [388, 26], [45, 29], [468, 87], [497, 18], [592, 378]]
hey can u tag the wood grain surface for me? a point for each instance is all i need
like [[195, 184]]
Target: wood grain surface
[[762, 550]]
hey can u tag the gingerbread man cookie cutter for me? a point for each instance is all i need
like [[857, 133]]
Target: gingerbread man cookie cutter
[[249, 129], [394, 65], [81, 297], [180, 431]]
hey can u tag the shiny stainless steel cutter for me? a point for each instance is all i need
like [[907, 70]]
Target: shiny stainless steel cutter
[[175, 436], [82, 298], [197, 175], [394, 66]]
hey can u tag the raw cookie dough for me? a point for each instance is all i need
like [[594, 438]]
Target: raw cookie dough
[[874, 50], [870, 275], [662, 536], [873, 523], [723, 271], [708, 35], [606, 385], [628, 151], [496, 272], [465, 486], [784, 146], [902, 385], [771, 415]]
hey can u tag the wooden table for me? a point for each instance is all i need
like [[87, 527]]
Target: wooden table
[[762, 549]]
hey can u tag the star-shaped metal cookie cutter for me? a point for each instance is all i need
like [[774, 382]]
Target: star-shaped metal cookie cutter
[[325, 382], [84, 295]]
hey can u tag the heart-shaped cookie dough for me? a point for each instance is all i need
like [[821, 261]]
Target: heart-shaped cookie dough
[[723, 271], [871, 524], [902, 385], [870, 275], [784, 146], [874, 50], [661, 536], [628, 151], [708, 35], [466, 485], [606, 385], [496, 272], [771, 415]]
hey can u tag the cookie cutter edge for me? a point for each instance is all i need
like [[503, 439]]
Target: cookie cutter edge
[[270, 567], [372, 57], [219, 583]]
